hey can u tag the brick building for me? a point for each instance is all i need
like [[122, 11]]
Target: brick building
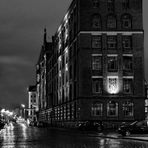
[[96, 67]]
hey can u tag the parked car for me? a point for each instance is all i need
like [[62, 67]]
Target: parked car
[[91, 126], [137, 127]]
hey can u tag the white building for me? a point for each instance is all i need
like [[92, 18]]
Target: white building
[[33, 103]]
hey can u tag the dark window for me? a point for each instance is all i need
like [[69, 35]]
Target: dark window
[[127, 63], [125, 4], [126, 21], [96, 21], [128, 86], [111, 5], [111, 22], [128, 109], [95, 3], [112, 108], [111, 42], [96, 62], [126, 42], [96, 42], [97, 85], [112, 64], [97, 109]]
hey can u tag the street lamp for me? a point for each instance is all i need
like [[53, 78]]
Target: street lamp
[[23, 107]]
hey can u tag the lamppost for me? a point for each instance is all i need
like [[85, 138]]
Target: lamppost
[[23, 110]]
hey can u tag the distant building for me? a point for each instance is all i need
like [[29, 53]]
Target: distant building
[[42, 80], [95, 70], [32, 103]]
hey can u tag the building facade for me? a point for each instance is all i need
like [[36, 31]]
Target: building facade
[[96, 67], [32, 103]]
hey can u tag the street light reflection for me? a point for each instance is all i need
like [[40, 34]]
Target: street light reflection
[[8, 137]]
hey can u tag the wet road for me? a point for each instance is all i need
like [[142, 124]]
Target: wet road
[[22, 136]]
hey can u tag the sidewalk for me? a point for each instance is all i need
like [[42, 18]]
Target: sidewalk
[[115, 135]]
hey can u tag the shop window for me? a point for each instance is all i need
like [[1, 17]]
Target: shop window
[[112, 63], [97, 109], [128, 86], [97, 85], [126, 21], [96, 21], [96, 63], [128, 109], [112, 109], [96, 42], [111, 22]]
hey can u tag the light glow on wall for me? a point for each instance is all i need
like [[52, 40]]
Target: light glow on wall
[[113, 84]]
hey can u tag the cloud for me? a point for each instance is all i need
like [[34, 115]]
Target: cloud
[[14, 60]]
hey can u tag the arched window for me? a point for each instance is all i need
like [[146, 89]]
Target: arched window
[[97, 109], [128, 109], [112, 108], [126, 21], [96, 21], [111, 22]]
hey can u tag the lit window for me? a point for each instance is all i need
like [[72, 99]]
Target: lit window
[[96, 21], [97, 109], [112, 85], [111, 22], [97, 63], [112, 109], [126, 42], [112, 64], [125, 4], [128, 109], [127, 63], [111, 5], [126, 21], [128, 86], [97, 85], [111, 42], [95, 3], [96, 42]]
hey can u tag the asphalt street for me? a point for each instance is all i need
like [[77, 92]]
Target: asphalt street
[[22, 136]]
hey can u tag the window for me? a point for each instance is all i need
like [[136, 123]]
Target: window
[[113, 84], [128, 86], [128, 109], [126, 21], [96, 42], [96, 21], [97, 85], [126, 42], [112, 64], [111, 5], [112, 42], [125, 4], [97, 63], [112, 108], [127, 63], [97, 109], [95, 3], [111, 22]]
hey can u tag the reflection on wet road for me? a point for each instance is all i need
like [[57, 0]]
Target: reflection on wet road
[[22, 136]]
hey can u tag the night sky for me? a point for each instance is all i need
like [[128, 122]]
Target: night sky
[[21, 35]]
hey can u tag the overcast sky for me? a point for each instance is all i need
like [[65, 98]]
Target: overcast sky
[[21, 36]]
